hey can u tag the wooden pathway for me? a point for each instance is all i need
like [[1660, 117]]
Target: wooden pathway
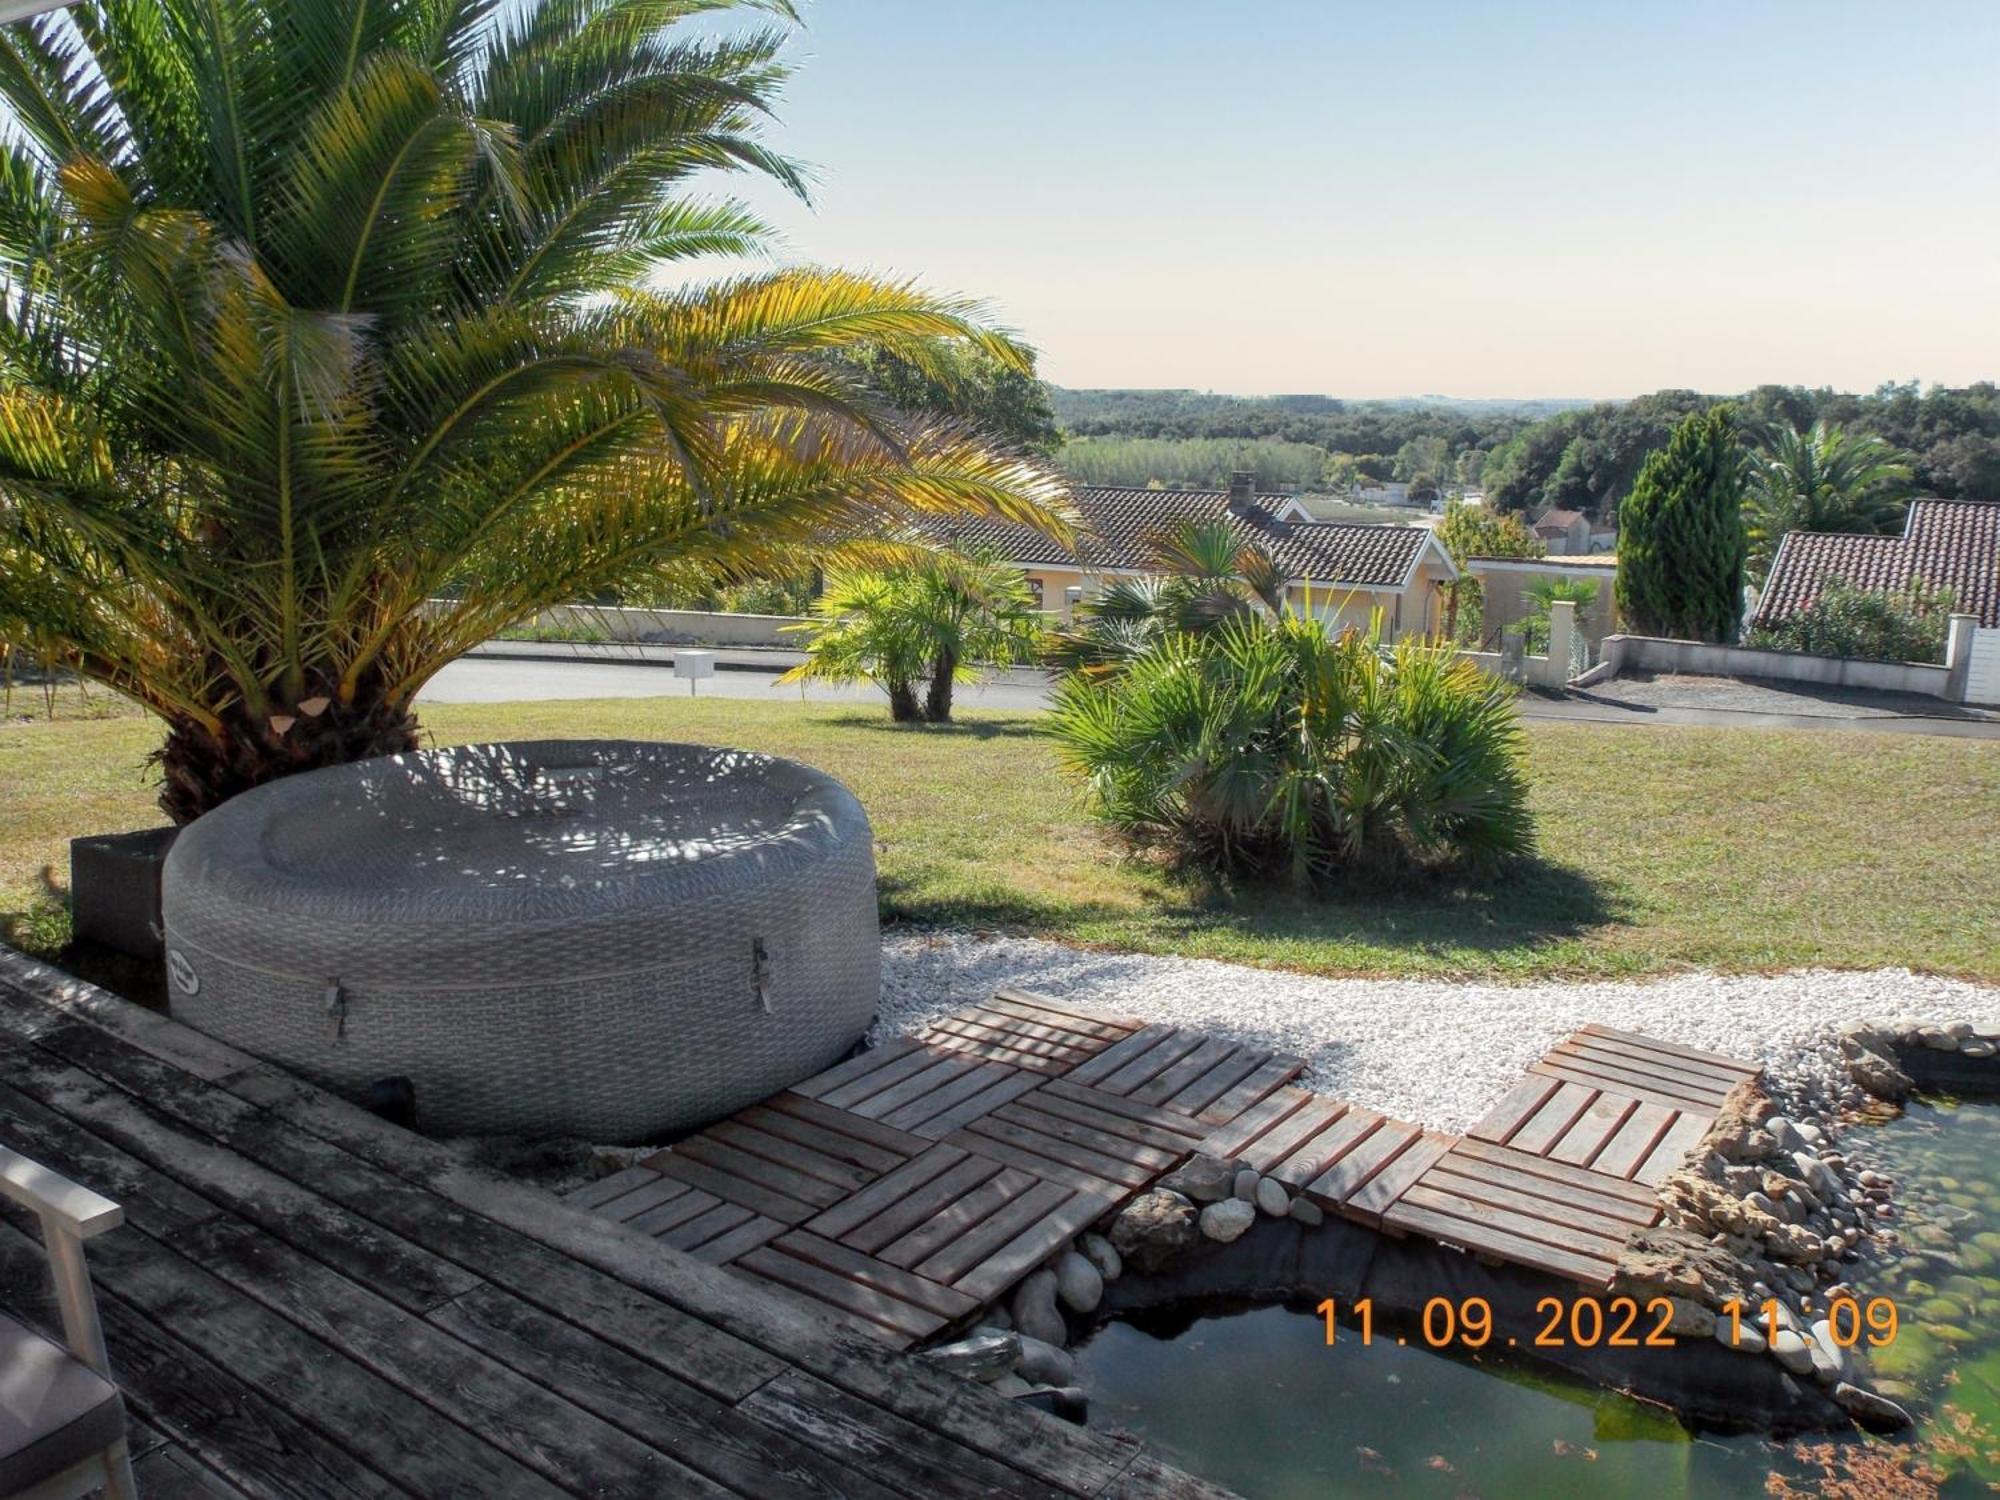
[[909, 1188], [306, 1301]]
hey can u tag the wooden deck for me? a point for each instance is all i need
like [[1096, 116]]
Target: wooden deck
[[309, 1302], [906, 1190]]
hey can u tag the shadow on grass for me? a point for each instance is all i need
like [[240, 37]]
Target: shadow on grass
[[1518, 907], [43, 931], [1003, 725]]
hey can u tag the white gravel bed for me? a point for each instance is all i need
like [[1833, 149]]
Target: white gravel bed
[[1437, 1053]]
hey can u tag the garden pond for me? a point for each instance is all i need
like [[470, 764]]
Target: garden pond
[[1253, 1397]]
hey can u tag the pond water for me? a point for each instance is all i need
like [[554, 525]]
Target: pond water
[[1253, 1397]]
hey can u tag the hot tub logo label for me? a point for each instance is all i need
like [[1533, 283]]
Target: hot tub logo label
[[182, 973]]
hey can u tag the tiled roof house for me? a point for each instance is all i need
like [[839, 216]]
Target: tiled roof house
[[1348, 570], [1951, 544]]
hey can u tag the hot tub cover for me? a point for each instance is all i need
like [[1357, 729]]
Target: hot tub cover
[[609, 939]]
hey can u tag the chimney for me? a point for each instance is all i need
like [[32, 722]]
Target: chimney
[[1242, 490]]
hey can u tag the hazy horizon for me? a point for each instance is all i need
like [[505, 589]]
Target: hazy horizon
[[1307, 197]]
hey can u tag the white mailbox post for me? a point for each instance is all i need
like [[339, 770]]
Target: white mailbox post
[[694, 665]]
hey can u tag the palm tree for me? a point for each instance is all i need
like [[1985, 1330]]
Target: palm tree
[[1825, 478], [934, 621], [1542, 599], [334, 338], [1203, 575]]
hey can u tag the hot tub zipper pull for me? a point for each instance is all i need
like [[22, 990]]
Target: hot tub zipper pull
[[336, 1011], [761, 972]]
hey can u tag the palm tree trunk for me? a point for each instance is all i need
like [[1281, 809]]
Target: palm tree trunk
[[937, 701], [903, 703], [201, 770]]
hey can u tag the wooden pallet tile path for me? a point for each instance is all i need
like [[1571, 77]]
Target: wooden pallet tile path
[[908, 1187]]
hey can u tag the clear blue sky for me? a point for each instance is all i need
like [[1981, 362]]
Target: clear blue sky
[[1548, 199]]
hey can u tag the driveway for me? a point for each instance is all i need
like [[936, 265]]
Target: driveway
[[506, 671]]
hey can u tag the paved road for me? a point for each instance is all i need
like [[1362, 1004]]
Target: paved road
[[537, 673]]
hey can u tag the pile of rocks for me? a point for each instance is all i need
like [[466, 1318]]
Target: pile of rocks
[[1020, 1350], [1871, 1051], [1769, 1214]]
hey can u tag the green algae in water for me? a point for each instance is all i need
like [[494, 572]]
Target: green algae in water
[[1255, 1399]]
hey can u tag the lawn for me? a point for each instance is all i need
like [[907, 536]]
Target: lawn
[[1661, 848]]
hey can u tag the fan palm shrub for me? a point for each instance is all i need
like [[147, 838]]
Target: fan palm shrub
[[933, 622], [1201, 574], [1268, 748], [337, 336], [1823, 478]]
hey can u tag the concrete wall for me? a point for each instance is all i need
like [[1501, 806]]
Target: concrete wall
[[693, 627], [1644, 653]]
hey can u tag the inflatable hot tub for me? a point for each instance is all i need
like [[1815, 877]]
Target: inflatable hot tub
[[603, 939]]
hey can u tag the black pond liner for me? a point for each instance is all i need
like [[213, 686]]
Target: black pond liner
[[1281, 1261]]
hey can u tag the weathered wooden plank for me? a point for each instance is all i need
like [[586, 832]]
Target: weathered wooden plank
[[1007, 1154], [207, 1407], [1555, 1171], [1672, 1148], [1254, 1123], [1055, 1149], [1624, 1054], [943, 1196], [1012, 1031], [1371, 1177], [945, 1301], [1013, 1083], [1488, 1239], [604, 1189], [1675, 1049], [1594, 1129], [1069, 1010], [868, 1438], [1149, 1065], [171, 1473], [855, 1067], [373, 1190], [858, 1127], [1293, 1131], [956, 1217], [997, 1052], [855, 1150], [879, 1080], [842, 1176], [1210, 1086], [1077, 1133], [1033, 1245], [1633, 1142], [1118, 1054], [1030, 1213], [705, 1226], [1187, 1134], [1516, 1107], [605, 1256], [903, 1318], [659, 1410], [649, 1194], [1173, 1144], [1700, 1092], [1477, 1179], [1597, 1239], [1149, 1479], [887, 1190], [459, 1392], [1316, 1156], [1075, 1022], [1257, 1085], [1170, 1081], [1548, 1124], [944, 1068], [675, 1212], [745, 1237], [1631, 1086], [726, 1184]]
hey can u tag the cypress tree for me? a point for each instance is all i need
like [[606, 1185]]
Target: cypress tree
[[1681, 542]]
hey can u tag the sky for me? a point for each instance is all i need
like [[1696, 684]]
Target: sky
[[1403, 198]]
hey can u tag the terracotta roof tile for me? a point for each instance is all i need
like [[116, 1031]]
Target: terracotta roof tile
[[1120, 522], [1951, 544]]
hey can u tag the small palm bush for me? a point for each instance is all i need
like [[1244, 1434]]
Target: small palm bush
[[1267, 748], [932, 621]]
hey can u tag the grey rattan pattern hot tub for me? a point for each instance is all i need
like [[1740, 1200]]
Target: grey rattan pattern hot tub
[[604, 939]]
